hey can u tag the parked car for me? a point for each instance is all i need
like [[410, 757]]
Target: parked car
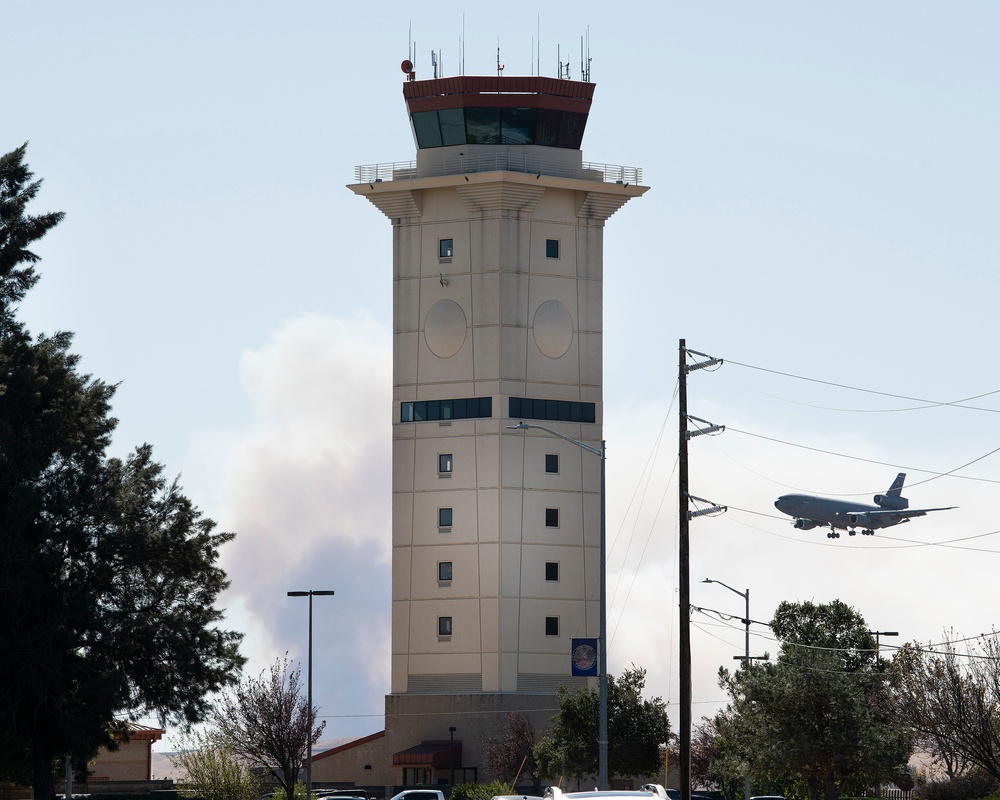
[[516, 797], [419, 794], [649, 791]]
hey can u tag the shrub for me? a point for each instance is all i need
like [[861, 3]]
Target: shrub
[[974, 785], [480, 791]]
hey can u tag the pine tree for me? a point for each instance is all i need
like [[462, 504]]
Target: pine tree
[[108, 577]]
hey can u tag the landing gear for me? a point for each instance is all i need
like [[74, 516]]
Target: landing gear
[[853, 532], [834, 535], [868, 532]]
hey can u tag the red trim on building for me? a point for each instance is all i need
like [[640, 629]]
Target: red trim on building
[[433, 754], [487, 91]]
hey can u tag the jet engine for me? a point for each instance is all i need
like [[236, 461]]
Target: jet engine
[[859, 519], [804, 524], [896, 503]]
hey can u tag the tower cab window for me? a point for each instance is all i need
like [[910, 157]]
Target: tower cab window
[[446, 248]]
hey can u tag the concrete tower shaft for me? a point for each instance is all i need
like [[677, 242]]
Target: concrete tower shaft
[[497, 284]]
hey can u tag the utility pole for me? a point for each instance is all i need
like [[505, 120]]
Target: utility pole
[[684, 578], [684, 553]]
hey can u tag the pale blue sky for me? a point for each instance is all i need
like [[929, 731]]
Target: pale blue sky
[[825, 195]]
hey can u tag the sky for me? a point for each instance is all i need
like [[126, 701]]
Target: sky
[[824, 205]]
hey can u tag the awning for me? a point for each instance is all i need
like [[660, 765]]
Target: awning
[[440, 755]]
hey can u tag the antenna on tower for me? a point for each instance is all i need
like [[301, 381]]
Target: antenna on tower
[[499, 65], [585, 59], [563, 68], [411, 56], [538, 45]]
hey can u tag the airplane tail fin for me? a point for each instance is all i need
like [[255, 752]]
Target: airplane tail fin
[[893, 498]]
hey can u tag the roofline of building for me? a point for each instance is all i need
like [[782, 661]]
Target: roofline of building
[[343, 747]]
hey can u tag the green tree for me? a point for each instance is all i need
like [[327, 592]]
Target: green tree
[[107, 571], [823, 715], [212, 770], [268, 722], [636, 728]]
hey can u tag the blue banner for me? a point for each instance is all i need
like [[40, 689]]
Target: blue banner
[[584, 657]]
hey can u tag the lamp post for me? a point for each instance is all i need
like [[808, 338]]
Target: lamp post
[[746, 621], [602, 673], [309, 682], [451, 752], [878, 649]]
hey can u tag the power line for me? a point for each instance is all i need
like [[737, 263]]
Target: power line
[[927, 403], [949, 473]]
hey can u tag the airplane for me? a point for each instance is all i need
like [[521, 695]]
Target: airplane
[[890, 509]]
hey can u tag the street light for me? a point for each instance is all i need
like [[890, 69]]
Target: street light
[[309, 691], [746, 621], [602, 674], [878, 649]]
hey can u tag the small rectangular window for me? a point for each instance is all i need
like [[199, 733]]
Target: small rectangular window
[[444, 626], [552, 248], [552, 626], [444, 517], [445, 248], [444, 571], [444, 463], [552, 518], [552, 463], [552, 570]]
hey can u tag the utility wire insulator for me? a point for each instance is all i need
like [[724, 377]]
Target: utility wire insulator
[[701, 512], [702, 364], [703, 431]]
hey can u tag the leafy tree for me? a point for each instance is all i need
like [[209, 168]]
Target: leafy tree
[[510, 752], [952, 699], [268, 723], [107, 571], [636, 728], [823, 714], [711, 763], [212, 770]]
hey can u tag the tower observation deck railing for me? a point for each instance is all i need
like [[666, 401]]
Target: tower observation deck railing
[[496, 162]]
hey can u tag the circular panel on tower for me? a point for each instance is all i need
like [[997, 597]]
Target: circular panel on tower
[[553, 329], [444, 328]]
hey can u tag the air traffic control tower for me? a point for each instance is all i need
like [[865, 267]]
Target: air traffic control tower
[[498, 235]]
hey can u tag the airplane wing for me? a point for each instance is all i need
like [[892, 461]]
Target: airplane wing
[[885, 518], [909, 512]]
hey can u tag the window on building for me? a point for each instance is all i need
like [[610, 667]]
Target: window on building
[[552, 248], [436, 410], [444, 626], [444, 571], [552, 626], [446, 248], [552, 518], [444, 463], [538, 408], [552, 463], [444, 517], [552, 570]]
